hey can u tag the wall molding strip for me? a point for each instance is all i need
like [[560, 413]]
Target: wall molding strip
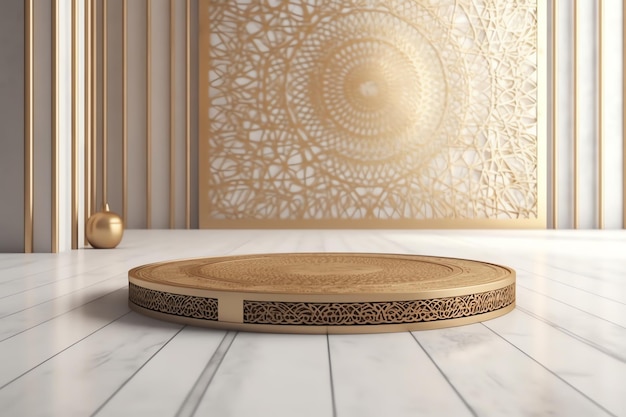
[[172, 114], [55, 127], [105, 100], [600, 116], [148, 114], [124, 111], [555, 148], [188, 116], [576, 113], [75, 120], [94, 107], [29, 138], [624, 114], [88, 118]]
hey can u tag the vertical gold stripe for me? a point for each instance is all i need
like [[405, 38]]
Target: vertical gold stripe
[[600, 117], [74, 124], [555, 108], [29, 27], [188, 117], [55, 127], [125, 111], [624, 114], [105, 100], [88, 115], [172, 113], [576, 113], [94, 105], [148, 115]]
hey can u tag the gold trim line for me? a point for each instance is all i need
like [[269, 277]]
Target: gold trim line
[[74, 124], [172, 114], [88, 116], [576, 113], [94, 107], [188, 117], [105, 100], [29, 101], [55, 127], [125, 111], [148, 115], [555, 107]]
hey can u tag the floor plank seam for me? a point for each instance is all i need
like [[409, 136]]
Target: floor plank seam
[[56, 267], [568, 285], [528, 260], [73, 277], [136, 372], [572, 306], [569, 271], [573, 335], [461, 397], [330, 372], [120, 276], [63, 350], [191, 403], [125, 286], [21, 278], [550, 371]]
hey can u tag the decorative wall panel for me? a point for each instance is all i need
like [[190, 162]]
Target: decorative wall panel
[[390, 113]]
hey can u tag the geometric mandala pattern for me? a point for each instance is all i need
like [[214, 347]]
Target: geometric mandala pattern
[[368, 111]]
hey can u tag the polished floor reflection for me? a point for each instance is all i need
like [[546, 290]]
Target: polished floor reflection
[[71, 346]]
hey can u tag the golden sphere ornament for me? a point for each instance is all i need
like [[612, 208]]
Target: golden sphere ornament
[[104, 229]]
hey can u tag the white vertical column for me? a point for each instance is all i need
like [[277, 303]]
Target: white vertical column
[[587, 118], [64, 125], [613, 115]]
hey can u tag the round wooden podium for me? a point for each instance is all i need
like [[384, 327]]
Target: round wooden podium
[[323, 292]]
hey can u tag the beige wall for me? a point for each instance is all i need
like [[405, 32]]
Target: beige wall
[[160, 193], [11, 126], [11, 119], [12, 115]]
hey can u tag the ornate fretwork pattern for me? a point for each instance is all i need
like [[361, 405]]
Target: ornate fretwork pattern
[[392, 312], [370, 110], [175, 304]]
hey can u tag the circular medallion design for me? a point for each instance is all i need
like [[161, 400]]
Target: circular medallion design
[[369, 89], [324, 292], [369, 112]]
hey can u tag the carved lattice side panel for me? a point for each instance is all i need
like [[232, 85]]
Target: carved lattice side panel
[[370, 112], [175, 304], [391, 312]]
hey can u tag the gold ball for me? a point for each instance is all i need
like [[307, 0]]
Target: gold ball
[[104, 229]]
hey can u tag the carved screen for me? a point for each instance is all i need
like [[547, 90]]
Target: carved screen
[[371, 113]]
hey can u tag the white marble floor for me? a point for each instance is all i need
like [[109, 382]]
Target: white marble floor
[[71, 347]]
